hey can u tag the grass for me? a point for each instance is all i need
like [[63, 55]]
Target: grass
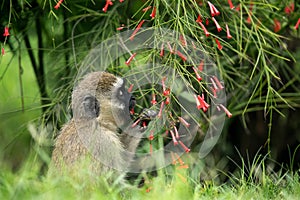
[[28, 183]]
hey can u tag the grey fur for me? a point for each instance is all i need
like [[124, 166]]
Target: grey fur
[[98, 113]]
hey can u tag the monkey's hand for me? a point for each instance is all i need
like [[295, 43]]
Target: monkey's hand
[[132, 135], [146, 116]]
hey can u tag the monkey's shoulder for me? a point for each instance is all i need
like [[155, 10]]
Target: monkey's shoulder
[[67, 132], [68, 146]]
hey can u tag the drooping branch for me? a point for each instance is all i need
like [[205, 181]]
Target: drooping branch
[[41, 70], [38, 67], [66, 45]]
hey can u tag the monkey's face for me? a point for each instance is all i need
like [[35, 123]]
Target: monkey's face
[[103, 96], [121, 103]]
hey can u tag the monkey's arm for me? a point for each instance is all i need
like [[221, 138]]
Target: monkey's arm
[[131, 138]]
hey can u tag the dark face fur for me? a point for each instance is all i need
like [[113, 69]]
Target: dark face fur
[[121, 103]]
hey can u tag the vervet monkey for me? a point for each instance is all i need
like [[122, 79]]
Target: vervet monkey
[[101, 108]]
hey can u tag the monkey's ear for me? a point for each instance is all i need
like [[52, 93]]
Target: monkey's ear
[[91, 106]]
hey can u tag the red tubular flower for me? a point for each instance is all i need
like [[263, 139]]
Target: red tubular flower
[[201, 104], [153, 13], [167, 132], [184, 147], [137, 29], [151, 136], [228, 32], [153, 101], [200, 67], [213, 9], [174, 160], [214, 92], [135, 123], [144, 124], [2, 51], [220, 47], [198, 103], [290, 8], [170, 47], [121, 1], [120, 28], [212, 12], [202, 101], [160, 110], [199, 78], [176, 133], [162, 50], [277, 25], [185, 123], [183, 57], [175, 142], [179, 159], [217, 24], [132, 111], [249, 19], [207, 22], [58, 4], [226, 111], [183, 167], [130, 88], [6, 32], [297, 24], [199, 19], [148, 189], [108, 3], [230, 4], [147, 8], [167, 100], [204, 29], [250, 13], [214, 84], [130, 59], [238, 8], [182, 40], [220, 86], [166, 92]]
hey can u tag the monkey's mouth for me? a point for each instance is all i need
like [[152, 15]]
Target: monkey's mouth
[[132, 103]]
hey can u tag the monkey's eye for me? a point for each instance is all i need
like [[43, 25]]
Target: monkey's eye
[[120, 93]]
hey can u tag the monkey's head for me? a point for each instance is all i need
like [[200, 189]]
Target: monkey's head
[[102, 96]]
